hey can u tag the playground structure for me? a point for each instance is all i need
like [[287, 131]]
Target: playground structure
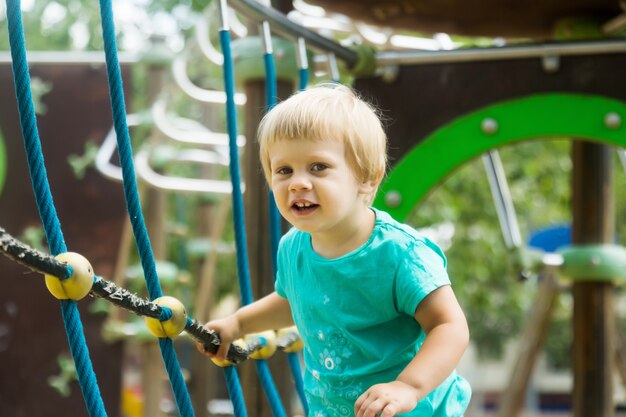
[[550, 84]]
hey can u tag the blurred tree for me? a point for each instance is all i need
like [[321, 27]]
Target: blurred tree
[[482, 268]]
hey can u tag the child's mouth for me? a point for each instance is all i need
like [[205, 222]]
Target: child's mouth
[[304, 208]]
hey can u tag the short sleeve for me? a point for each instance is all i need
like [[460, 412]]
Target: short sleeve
[[282, 265], [279, 285], [421, 270]]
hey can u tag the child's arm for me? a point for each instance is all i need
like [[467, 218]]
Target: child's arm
[[447, 337], [268, 313]]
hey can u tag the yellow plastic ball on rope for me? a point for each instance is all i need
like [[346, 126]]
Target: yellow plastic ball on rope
[[78, 285], [174, 325], [224, 363], [292, 331], [267, 339]]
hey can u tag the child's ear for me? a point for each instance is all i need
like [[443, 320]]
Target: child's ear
[[368, 187]]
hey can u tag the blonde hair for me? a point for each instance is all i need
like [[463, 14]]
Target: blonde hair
[[329, 112]]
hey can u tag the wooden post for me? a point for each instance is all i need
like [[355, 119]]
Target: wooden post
[[152, 368], [202, 371], [258, 238], [530, 346], [593, 222]]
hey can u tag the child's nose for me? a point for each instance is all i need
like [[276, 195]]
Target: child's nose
[[299, 182]]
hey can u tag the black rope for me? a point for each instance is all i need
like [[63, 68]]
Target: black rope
[[287, 340], [125, 299], [212, 342], [31, 258], [107, 290], [47, 264]]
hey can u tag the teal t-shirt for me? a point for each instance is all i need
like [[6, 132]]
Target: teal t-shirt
[[355, 315]]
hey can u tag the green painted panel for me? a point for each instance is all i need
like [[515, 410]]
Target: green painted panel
[[542, 116]]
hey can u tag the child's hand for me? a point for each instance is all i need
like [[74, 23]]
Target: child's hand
[[387, 400], [228, 331]]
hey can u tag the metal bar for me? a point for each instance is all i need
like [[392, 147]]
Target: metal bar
[[301, 57], [71, 57], [502, 199], [500, 53], [283, 26], [333, 68]]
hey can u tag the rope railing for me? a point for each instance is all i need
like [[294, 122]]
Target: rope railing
[[49, 265], [45, 205]]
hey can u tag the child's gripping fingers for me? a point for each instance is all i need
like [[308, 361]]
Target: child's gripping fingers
[[386, 400], [367, 404], [203, 350], [390, 410]]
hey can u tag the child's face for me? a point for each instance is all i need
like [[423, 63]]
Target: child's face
[[315, 187]]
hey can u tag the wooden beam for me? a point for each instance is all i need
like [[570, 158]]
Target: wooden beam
[[257, 229], [530, 346], [593, 320]]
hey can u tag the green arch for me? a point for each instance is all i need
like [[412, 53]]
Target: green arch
[[541, 116]]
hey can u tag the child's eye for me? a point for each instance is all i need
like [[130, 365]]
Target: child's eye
[[318, 167], [283, 171]]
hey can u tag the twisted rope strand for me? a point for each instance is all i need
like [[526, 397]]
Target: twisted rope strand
[[45, 205], [230, 373], [118, 108]]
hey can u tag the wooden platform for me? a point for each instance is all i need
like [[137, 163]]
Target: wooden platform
[[493, 18]]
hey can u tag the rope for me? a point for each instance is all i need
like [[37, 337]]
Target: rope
[[293, 358], [45, 205], [296, 373], [243, 272], [30, 133], [234, 391], [303, 78], [133, 205], [107, 290], [131, 193], [275, 221], [238, 214], [230, 373], [274, 214]]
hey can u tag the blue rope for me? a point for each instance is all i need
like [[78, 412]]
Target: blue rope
[[275, 225], [296, 374], [243, 272], [30, 133], [133, 204], [293, 358], [179, 388], [238, 214], [303, 78], [271, 393], [230, 373], [125, 151], [80, 353], [45, 205], [274, 215], [234, 391]]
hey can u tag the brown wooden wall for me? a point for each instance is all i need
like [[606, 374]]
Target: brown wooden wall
[[91, 211], [422, 98]]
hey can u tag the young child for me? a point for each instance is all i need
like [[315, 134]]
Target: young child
[[371, 298]]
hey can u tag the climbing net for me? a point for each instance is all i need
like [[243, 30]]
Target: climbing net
[[70, 277]]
